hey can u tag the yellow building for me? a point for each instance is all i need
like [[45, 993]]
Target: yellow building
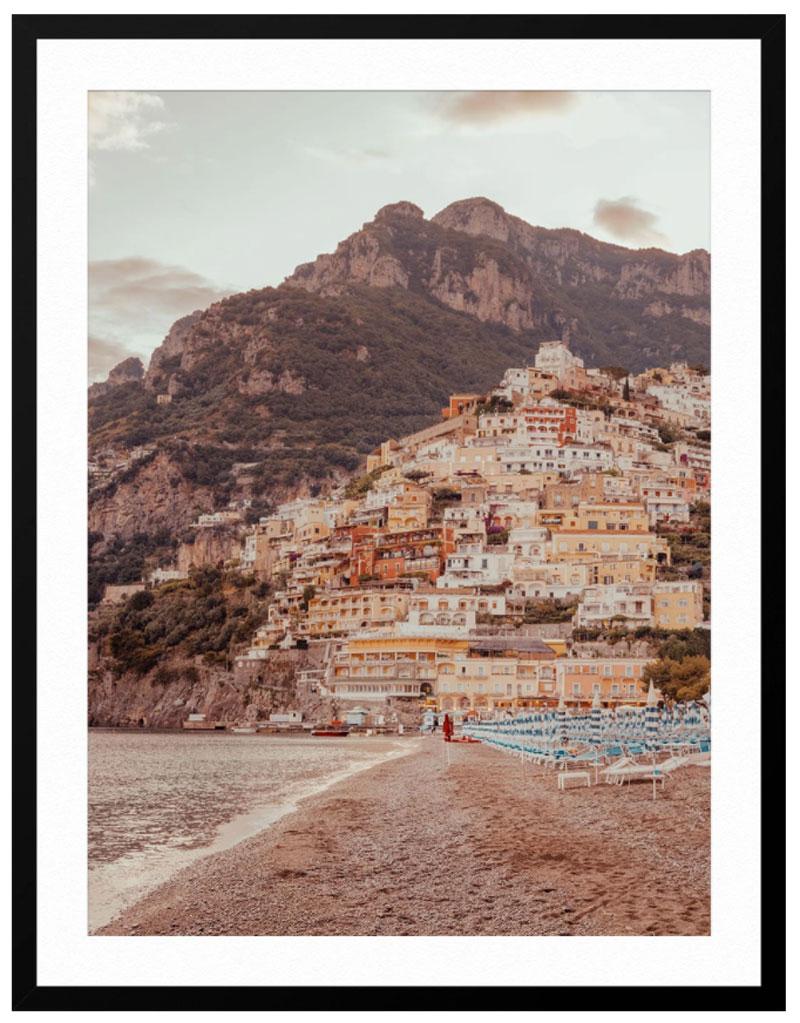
[[627, 568], [345, 611], [608, 517], [378, 667], [409, 510], [678, 605], [575, 545], [498, 672], [479, 683], [614, 680]]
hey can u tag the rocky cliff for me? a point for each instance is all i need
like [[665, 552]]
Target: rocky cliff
[[164, 697], [125, 372], [150, 497], [473, 257]]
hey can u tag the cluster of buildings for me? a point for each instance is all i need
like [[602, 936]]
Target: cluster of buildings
[[414, 582], [108, 464]]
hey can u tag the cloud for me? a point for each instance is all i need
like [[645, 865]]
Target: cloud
[[623, 219], [124, 120], [486, 107], [134, 301], [141, 287], [104, 355]]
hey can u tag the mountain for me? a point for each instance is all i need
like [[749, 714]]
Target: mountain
[[125, 372], [635, 308], [282, 390]]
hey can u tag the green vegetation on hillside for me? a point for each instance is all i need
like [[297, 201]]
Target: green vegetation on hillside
[[123, 561], [211, 614]]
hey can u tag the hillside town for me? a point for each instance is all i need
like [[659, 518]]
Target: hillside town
[[477, 565]]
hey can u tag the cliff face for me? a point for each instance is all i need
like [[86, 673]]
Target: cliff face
[[165, 697], [210, 546], [474, 257], [156, 497], [125, 372]]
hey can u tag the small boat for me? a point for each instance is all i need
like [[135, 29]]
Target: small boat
[[334, 729], [245, 730]]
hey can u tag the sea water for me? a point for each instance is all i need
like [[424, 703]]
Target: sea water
[[158, 801]]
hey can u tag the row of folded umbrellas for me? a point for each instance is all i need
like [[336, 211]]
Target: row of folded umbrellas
[[653, 725]]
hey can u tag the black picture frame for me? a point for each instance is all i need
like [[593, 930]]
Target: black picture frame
[[770, 30]]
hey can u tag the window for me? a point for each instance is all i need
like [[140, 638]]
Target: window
[[629, 670], [592, 523], [615, 688], [607, 669], [576, 689]]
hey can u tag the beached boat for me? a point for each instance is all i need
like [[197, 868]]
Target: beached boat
[[334, 729], [245, 730]]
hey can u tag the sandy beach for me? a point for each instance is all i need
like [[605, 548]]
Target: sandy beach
[[476, 846]]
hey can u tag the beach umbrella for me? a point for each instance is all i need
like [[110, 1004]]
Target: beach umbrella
[[596, 730], [651, 726], [597, 719]]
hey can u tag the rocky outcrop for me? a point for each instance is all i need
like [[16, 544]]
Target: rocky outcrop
[[125, 372], [261, 381], [153, 497], [661, 308], [358, 260], [169, 352], [477, 217], [475, 258], [164, 697], [211, 545]]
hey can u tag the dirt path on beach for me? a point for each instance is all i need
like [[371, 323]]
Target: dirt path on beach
[[477, 846]]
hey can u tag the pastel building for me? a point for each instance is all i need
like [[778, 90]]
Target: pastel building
[[678, 605], [614, 680], [340, 612], [626, 605]]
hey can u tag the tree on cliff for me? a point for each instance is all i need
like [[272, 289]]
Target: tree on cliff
[[688, 679]]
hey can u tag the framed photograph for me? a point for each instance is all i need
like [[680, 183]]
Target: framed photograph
[[384, 384]]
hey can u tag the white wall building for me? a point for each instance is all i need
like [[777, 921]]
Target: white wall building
[[555, 357], [476, 568], [628, 605]]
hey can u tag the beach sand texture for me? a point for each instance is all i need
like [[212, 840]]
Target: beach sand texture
[[476, 846]]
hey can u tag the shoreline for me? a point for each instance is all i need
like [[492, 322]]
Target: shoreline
[[414, 845], [111, 898]]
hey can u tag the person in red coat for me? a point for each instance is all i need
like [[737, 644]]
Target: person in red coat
[[447, 728]]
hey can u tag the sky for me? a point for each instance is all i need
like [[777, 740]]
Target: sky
[[196, 195]]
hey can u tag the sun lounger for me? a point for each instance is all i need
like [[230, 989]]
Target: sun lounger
[[628, 772]]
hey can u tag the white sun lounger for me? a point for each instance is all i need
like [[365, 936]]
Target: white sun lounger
[[628, 772]]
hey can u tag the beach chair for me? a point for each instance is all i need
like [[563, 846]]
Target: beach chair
[[648, 772]]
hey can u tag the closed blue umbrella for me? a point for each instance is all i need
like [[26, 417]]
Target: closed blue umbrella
[[652, 716]]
